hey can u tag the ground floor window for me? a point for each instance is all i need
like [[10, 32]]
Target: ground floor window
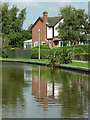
[[43, 42], [60, 43], [27, 45], [35, 44]]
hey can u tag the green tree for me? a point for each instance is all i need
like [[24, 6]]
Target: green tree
[[30, 28], [12, 25], [74, 26]]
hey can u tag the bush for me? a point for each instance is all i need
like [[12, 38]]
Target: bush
[[4, 53], [78, 48], [82, 56], [34, 53], [44, 46], [66, 56], [59, 56], [44, 53]]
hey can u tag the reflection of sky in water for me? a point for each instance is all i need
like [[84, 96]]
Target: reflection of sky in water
[[39, 92]]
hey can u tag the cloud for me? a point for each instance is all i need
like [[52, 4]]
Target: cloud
[[35, 9]]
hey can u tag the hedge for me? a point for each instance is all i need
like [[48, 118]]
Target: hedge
[[80, 51], [82, 56], [43, 53], [44, 46], [78, 48]]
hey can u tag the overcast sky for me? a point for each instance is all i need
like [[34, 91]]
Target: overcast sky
[[35, 9]]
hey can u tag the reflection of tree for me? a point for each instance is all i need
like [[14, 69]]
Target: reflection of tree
[[73, 98], [13, 83]]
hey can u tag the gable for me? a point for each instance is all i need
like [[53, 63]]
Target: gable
[[37, 21]]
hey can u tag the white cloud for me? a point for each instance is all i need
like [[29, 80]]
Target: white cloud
[[35, 9]]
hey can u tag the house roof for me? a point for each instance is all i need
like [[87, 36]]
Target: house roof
[[52, 21]]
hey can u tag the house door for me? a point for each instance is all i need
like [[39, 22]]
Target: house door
[[50, 44]]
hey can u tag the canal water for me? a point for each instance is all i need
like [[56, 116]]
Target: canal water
[[31, 91]]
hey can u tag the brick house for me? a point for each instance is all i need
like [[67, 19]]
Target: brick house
[[48, 32]]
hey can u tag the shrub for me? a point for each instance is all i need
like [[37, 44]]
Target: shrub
[[44, 53], [66, 56], [34, 53], [44, 46], [83, 56], [78, 48], [59, 56], [54, 58], [4, 53]]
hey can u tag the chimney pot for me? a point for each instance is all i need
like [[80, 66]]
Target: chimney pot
[[45, 16]]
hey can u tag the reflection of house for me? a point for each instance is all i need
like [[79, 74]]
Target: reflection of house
[[27, 73], [53, 89], [46, 93], [28, 44]]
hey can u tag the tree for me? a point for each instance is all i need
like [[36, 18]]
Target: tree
[[74, 26], [30, 28], [12, 25], [17, 39]]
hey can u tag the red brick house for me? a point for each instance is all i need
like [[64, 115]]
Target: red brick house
[[48, 33]]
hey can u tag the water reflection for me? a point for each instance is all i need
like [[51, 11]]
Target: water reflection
[[62, 89], [27, 74], [34, 89]]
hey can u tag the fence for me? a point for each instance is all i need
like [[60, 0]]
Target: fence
[[19, 53]]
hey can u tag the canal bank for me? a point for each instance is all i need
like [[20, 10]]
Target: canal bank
[[46, 64]]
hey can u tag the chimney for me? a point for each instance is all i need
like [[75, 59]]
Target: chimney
[[45, 16]]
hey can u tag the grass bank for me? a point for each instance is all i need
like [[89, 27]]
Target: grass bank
[[31, 60], [75, 64], [78, 64]]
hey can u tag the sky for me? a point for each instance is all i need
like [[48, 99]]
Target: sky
[[35, 8]]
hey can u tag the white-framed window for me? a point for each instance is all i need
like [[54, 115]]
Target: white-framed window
[[35, 44], [43, 42], [28, 45], [60, 43]]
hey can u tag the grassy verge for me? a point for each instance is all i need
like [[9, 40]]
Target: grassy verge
[[76, 64], [31, 60]]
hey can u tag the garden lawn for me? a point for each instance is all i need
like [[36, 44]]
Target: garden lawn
[[76, 64]]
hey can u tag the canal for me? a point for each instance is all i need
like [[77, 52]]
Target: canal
[[31, 91]]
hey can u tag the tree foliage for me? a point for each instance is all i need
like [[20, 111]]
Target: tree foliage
[[74, 26], [12, 25], [30, 28]]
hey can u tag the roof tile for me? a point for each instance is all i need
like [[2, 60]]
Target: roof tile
[[53, 20]]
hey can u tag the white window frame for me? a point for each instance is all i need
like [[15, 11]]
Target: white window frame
[[35, 44]]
